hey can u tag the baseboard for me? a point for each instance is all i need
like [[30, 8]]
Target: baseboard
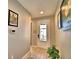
[[27, 55]]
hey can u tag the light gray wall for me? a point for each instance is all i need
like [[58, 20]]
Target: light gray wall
[[63, 42], [19, 42], [63, 38]]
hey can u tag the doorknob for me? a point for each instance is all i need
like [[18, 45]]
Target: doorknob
[[38, 35]]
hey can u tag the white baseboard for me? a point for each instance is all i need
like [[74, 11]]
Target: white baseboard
[[27, 55]]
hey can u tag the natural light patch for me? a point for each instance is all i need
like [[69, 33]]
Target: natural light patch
[[43, 32]]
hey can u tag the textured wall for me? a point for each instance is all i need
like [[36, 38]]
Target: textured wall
[[19, 42]]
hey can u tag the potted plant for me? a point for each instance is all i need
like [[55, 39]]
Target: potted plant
[[53, 52]]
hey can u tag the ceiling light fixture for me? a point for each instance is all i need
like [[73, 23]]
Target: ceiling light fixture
[[41, 12]]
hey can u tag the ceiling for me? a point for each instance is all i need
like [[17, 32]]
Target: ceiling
[[35, 6]]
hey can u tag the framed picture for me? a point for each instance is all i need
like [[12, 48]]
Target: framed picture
[[12, 18], [65, 14], [59, 22]]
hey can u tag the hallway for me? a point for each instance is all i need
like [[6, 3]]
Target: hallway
[[34, 26]]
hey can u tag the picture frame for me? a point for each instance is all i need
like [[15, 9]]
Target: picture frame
[[59, 22], [12, 18], [65, 15]]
